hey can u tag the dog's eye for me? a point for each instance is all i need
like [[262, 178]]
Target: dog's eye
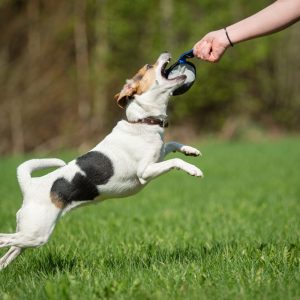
[[149, 66]]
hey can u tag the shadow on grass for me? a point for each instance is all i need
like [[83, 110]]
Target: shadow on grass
[[149, 254], [52, 263]]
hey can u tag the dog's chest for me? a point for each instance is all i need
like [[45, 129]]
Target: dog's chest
[[128, 144]]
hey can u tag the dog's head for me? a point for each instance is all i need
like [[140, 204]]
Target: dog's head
[[149, 84]]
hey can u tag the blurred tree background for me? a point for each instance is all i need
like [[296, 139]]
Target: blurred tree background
[[61, 62]]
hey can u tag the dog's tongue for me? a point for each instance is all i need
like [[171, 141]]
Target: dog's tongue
[[183, 69]]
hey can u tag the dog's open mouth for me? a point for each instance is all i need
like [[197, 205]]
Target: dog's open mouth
[[165, 72], [163, 69]]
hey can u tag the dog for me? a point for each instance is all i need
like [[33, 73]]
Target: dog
[[120, 165]]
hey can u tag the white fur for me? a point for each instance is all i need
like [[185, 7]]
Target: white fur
[[136, 151]]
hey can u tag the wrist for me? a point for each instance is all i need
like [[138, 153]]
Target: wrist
[[222, 39], [236, 34], [228, 37]]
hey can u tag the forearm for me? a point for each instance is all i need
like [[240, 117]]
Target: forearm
[[273, 18]]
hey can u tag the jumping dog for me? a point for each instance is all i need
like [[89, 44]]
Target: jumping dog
[[120, 165]]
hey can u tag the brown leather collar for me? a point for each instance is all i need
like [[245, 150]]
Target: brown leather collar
[[151, 121]]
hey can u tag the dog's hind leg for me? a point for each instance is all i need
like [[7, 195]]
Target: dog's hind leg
[[35, 224], [24, 239], [13, 239], [33, 233], [10, 255], [5, 239]]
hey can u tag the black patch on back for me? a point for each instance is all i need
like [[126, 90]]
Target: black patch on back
[[97, 167], [79, 189]]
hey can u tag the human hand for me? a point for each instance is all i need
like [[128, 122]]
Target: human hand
[[212, 46]]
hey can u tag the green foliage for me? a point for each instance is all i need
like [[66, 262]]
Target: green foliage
[[232, 235], [66, 60]]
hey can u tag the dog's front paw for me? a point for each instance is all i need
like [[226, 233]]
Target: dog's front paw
[[194, 171], [190, 151], [191, 169]]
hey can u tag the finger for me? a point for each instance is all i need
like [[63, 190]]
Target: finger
[[205, 51], [216, 54], [197, 48], [213, 58]]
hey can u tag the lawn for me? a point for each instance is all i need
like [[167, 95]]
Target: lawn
[[233, 235]]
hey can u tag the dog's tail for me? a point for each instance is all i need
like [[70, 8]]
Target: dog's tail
[[25, 169]]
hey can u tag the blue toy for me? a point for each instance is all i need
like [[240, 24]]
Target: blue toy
[[183, 67]]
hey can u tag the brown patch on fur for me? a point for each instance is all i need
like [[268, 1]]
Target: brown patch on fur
[[139, 84], [57, 201], [146, 81]]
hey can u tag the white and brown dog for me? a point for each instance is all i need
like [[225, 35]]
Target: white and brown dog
[[120, 165]]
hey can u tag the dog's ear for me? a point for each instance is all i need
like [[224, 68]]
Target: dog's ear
[[132, 86], [129, 89]]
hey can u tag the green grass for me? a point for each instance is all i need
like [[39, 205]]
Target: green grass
[[233, 235]]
